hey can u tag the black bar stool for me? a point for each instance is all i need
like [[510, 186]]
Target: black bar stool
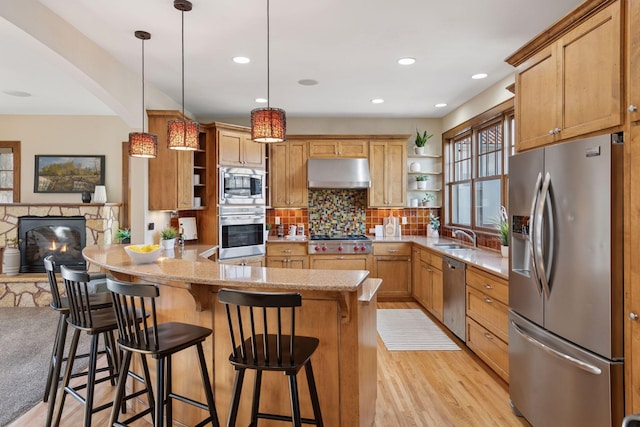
[[61, 305], [160, 341], [95, 322], [276, 352]]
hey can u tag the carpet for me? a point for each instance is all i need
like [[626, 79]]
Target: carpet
[[26, 340], [404, 329]]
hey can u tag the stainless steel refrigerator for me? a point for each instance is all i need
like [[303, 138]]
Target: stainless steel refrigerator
[[565, 284]]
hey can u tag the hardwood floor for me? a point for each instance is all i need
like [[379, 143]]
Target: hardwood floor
[[415, 388]]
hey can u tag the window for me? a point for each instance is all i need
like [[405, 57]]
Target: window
[[476, 160], [9, 172]]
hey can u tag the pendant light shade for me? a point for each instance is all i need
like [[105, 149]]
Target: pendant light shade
[[183, 134], [268, 124], [142, 144]]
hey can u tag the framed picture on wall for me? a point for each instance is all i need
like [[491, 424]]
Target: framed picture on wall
[[68, 173]]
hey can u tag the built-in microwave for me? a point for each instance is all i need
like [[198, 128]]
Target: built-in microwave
[[242, 186], [242, 231]]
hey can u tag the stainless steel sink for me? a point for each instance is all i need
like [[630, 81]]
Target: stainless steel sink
[[452, 246]]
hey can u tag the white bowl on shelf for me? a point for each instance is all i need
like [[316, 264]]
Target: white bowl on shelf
[[143, 257]]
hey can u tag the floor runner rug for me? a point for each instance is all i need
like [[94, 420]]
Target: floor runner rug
[[403, 329]]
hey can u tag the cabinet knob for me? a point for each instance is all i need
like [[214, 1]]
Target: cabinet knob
[[488, 336], [632, 108], [488, 300], [488, 286], [551, 132], [633, 316]]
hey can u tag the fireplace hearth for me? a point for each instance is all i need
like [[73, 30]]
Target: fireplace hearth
[[64, 237]]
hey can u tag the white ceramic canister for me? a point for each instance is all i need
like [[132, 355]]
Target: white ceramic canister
[[100, 194], [11, 261]]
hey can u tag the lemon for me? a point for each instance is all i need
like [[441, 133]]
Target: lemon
[[144, 248]]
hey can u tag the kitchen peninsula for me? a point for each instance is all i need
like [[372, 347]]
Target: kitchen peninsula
[[339, 308]]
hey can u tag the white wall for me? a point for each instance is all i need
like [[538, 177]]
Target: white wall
[[59, 135], [482, 102]]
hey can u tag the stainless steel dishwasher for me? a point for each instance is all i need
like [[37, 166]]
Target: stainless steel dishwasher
[[454, 293]]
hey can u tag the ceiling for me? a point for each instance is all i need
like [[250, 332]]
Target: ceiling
[[349, 47]]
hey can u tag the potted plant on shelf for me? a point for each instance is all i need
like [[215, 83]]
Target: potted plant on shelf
[[123, 235], [502, 224], [168, 237], [428, 198], [421, 181], [421, 140], [434, 225]]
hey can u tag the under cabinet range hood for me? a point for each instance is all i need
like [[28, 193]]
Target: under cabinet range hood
[[338, 173]]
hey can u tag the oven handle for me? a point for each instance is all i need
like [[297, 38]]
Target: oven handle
[[240, 217]]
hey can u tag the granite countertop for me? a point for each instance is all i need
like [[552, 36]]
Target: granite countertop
[[191, 265], [484, 259]]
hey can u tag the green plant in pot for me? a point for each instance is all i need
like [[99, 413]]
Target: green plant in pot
[[502, 224], [123, 235], [421, 181], [421, 140], [168, 237], [428, 198], [434, 225]]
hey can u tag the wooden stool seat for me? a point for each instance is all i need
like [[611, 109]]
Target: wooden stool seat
[[159, 341], [61, 305], [253, 315], [82, 317]]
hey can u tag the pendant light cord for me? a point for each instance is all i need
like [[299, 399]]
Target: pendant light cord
[[143, 85], [268, 75], [183, 65]]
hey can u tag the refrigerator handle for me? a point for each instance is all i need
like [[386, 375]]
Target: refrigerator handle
[[553, 352], [532, 228], [539, 255]]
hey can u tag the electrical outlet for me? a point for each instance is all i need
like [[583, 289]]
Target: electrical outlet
[[404, 220], [151, 226], [277, 220]]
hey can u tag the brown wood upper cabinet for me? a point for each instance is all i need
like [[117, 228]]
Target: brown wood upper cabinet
[[633, 40], [329, 148], [572, 86], [288, 175], [171, 172], [235, 147], [388, 167]]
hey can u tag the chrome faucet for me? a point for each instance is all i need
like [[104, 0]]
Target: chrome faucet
[[470, 234]]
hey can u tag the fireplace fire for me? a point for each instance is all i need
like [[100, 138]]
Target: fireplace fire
[[64, 237]]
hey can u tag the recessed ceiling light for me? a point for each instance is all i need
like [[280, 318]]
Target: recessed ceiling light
[[479, 76], [241, 60], [261, 100], [307, 82], [406, 61], [18, 93], [377, 101], [441, 105]]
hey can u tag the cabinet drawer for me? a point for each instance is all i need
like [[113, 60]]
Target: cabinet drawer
[[490, 313], [432, 258], [282, 249], [493, 286], [491, 349], [393, 249]]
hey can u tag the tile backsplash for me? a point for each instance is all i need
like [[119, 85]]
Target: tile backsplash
[[346, 211]]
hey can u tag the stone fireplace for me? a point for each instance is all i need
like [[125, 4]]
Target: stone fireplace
[[64, 237], [102, 220]]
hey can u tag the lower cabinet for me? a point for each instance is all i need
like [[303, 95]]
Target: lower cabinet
[[287, 255], [487, 319], [339, 262], [428, 289], [392, 264]]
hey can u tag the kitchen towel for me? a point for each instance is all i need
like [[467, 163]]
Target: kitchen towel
[[411, 329]]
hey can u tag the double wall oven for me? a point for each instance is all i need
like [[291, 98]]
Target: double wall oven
[[242, 213]]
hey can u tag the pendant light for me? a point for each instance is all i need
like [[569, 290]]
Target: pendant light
[[183, 134], [268, 124], [142, 144]]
